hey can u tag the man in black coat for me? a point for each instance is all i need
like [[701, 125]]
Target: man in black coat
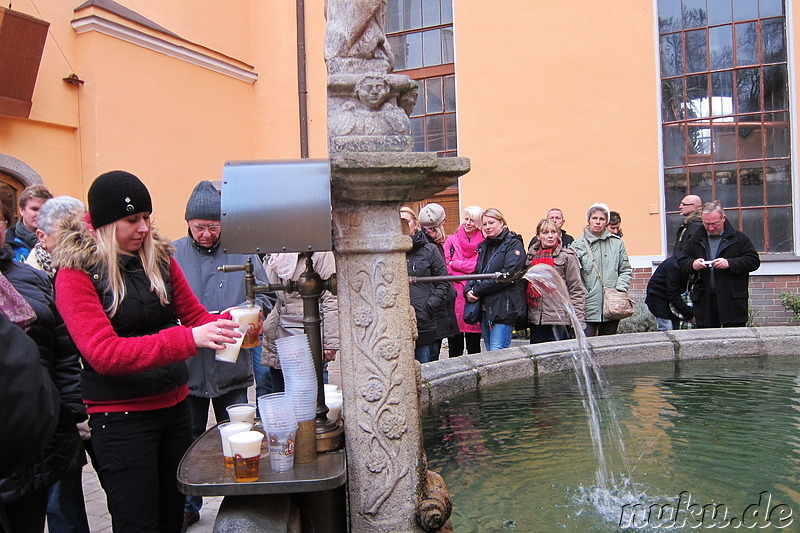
[[665, 295], [722, 258]]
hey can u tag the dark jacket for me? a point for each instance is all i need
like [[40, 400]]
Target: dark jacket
[[209, 378], [731, 283], [689, 226], [21, 240], [446, 322], [666, 286], [64, 451], [29, 401], [427, 298], [503, 303]]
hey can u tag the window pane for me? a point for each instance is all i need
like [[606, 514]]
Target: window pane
[[724, 141], [753, 227], [700, 183], [394, 15], [435, 132], [721, 47], [413, 50], [773, 40], [779, 183], [750, 140], [672, 107], [722, 94], [675, 187], [450, 93], [669, 15], [725, 187], [671, 56], [674, 146], [447, 11], [673, 221], [770, 8], [418, 129], [430, 13], [696, 51], [694, 14], [777, 134], [431, 48], [746, 42], [419, 105], [748, 91], [448, 55], [398, 44], [745, 9], [719, 12], [452, 137], [433, 95], [779, 222], [752, 180], [776, 90], [412, 14], [697, 93]]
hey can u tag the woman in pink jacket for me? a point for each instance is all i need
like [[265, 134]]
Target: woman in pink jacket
[[460, 254]]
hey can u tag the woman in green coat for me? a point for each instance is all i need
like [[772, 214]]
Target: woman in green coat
[[602, 255]]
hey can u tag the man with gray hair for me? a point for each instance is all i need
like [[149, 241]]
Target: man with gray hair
[[721, 259]]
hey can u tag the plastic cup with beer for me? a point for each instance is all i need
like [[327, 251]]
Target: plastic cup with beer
[[225, 431], [246, 449], [247, 318], [230, 353], [242, 412]]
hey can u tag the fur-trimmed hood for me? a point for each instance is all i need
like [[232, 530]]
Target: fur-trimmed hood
[[77, 246]]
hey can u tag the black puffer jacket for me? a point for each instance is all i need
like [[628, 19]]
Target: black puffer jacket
[[64, 452], [428, 298], [503, 303]]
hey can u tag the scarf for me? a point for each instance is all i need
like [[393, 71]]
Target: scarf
[[540, 256], [283, 264], [14, 306], [44, 259]]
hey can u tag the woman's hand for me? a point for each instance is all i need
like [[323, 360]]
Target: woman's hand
[[329, 355], [216, 335], [471, 297]]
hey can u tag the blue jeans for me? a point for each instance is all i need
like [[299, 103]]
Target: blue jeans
[[66, 510], [425, 353], [198, 407], [261, 373], [496, 336], [138, 453]]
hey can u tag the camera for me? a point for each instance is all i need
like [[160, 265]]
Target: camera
[[709, 264]]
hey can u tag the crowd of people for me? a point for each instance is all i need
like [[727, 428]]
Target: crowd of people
[[114, 329]]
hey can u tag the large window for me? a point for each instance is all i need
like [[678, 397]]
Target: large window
[[725, 113], [420, 33]]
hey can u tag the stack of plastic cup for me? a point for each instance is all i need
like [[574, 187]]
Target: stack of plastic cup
[[299, 375], [280, 426]]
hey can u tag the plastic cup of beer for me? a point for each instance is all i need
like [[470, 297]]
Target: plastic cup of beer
[[225, 431], [242, 412], [247, 318], [246, 449], [230, 353]]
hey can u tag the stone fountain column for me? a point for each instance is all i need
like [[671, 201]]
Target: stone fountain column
[[373, 172]]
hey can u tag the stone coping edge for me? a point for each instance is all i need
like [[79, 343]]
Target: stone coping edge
[[447, 378]]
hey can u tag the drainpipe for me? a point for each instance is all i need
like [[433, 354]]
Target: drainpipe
[[302, 91]]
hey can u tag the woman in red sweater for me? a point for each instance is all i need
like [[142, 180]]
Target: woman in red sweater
[[135, 321]]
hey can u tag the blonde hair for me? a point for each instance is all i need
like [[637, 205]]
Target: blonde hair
[[544, 224], [495, 213], [475, 213], [108, 250], [410, 211]]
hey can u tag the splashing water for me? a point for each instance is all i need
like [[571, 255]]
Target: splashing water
[[591, 384]]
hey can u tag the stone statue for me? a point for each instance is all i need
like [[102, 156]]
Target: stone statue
[[372, 111], [356, 29]]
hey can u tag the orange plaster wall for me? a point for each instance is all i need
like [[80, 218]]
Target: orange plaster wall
[[557, 107]]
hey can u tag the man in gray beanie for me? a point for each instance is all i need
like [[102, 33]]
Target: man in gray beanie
[[199, 254]]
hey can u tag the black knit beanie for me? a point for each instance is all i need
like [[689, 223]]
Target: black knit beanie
[[205, 203], [115, 195]]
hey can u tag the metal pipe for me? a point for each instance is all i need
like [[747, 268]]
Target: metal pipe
[[302, 90]]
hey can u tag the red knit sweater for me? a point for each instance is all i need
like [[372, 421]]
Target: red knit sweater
[[109, 354]]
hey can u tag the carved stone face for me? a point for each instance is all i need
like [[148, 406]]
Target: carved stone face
[[372, 91]]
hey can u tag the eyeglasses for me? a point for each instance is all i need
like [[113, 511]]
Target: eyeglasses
[[213, 229]]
